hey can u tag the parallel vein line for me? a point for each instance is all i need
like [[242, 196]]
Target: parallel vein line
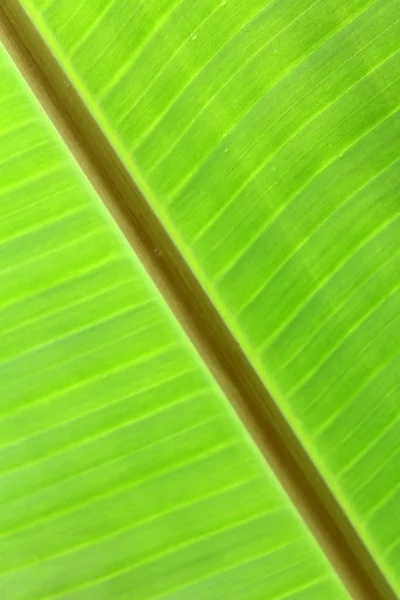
[[54, 251], [96, 22], [113, 460], [92, 543], [371, 444], [102, 433], [364, 419], [192, 78], [86, 270], [376, 374], [213, 96], [89, 326], [43, 201], [11, 158], [235, 565], [37, 227], [74, 387], [388, 458], [185, 182], [349, 334], [261, 166], [59, 310], [120, 72], [383, 502], [91, 412], [176, 52], [160, 555], [124, 487], [285, 207], [340, 305], [324, 281]]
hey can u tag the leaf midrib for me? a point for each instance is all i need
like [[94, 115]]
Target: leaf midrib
[[191, 305]]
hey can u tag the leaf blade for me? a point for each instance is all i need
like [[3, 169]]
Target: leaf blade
[[341, 25], [117, 448]]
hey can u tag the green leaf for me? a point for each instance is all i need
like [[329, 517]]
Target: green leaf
[[265, 135], [122, 465]]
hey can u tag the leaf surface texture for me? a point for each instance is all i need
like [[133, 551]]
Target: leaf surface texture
[[265, 135]]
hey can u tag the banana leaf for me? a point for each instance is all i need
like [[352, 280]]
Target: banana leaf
[[265, 137]]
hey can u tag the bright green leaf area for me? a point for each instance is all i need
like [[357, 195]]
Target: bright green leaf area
[[123, 471], [267, 135]]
